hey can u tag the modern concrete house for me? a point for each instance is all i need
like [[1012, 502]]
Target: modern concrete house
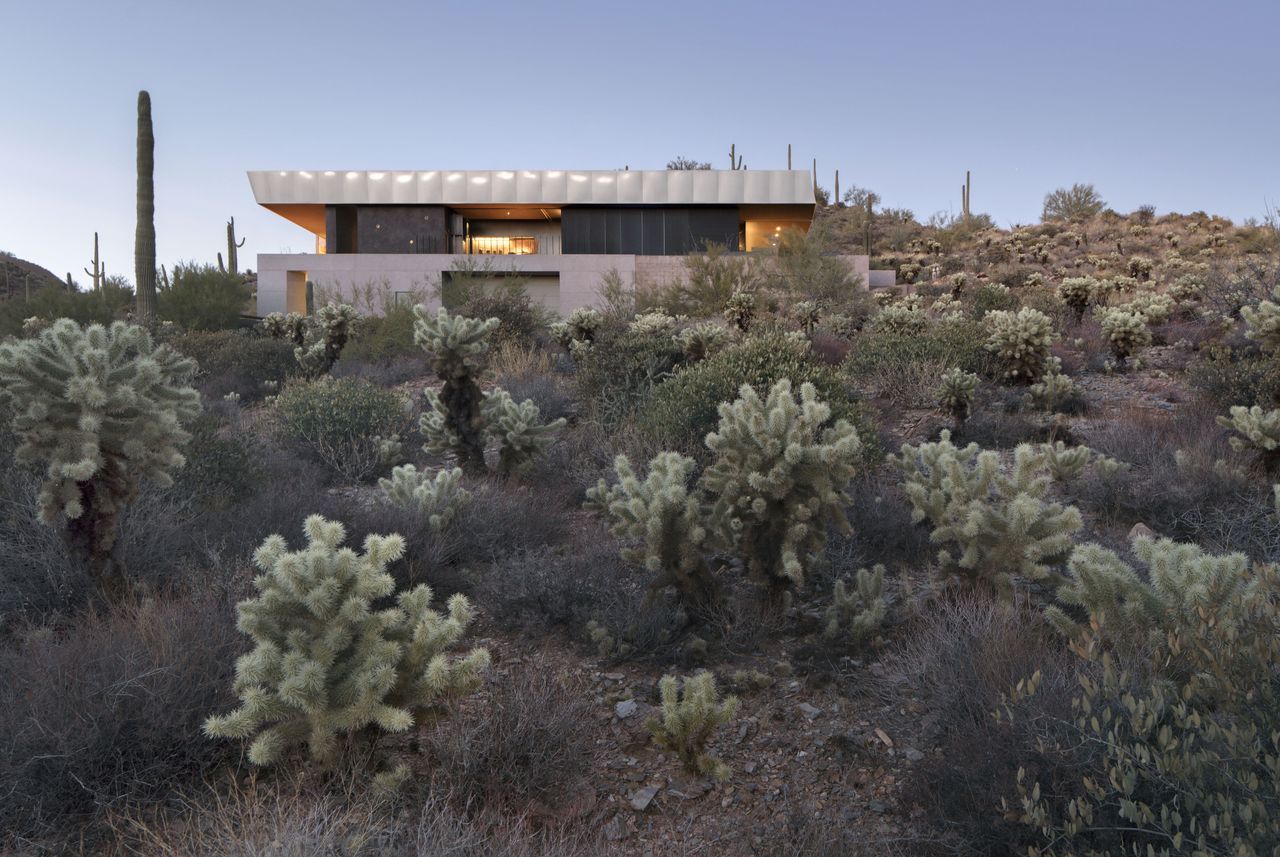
[[398, 235]]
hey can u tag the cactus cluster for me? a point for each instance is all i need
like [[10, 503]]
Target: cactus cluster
[[740, 310], [857, 612], [899, 318], [1021, 341], [997, 523], [652, 323], [327, 662], [1054, 391], [699, 341], [1262, 323], [1126, 332], [438, 498], [1258, 430], [327, 333], [290, 326], [102, 408], [691, 712], [807, 314], [1077, 293]]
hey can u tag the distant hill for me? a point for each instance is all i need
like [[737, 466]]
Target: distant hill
[[17, 274]]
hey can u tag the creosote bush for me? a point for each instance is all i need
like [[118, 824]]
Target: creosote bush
[[691, 711], [342, 422], [102, 409], [326, 664]]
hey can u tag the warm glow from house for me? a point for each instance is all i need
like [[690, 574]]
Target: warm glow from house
[[503, 245]]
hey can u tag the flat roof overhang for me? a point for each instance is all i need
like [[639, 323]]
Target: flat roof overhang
[[279, 190]]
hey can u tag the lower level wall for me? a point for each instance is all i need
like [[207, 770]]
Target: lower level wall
[[371, 282]]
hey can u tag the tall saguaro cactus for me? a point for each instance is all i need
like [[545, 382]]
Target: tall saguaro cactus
[[98, 274], [144, 239], [233, 260]]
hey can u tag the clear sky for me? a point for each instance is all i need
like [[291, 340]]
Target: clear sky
[[1174, 104]]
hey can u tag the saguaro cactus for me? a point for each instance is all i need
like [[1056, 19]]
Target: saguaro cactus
[[144, 240], [103, 408], [98, 274], [233, 260]]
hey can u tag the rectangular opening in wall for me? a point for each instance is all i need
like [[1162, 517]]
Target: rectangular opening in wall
[[296, 292]]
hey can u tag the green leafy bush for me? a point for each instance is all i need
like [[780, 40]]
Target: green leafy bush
[[619, 372], [520, 320], [201, 297], [110, 303], [905, 368], [235, 362], [341, 421], [383, 338], [685, 407]]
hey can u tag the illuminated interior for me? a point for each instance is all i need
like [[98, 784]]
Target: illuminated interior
[[764, 234], [502, 245]]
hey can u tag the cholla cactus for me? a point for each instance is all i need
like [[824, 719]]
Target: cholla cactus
[[1036, 279], [807, 314], [855, 614], [909, 271], [946, 308], [955, 396], [778, 480], [327, 662], [456, 349], [998, 522], [1021, 340], [291, 326], [667, 519], [688, 720], [1260, 432], [1140, 268], [657, 322], [740, 310], [958, 281], [522, 436], [1126, 332], [1155, 308], [102, 408], [1188, 290], [33, 326], [700, 341], [579, 331], [900, 319], [1065, 463], [1053, 391], [1076, 293], [1262, 323], [1181, 581], [390, 450], [438, 498], [327, 335]]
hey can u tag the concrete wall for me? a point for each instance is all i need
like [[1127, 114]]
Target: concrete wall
[[881, 279], [372, 282]]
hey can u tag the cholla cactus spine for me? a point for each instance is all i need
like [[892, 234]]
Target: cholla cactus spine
[[999, 522], [103, 408], [778, 480], [689, 717], [439, 498], [856, 614], [1021, 340], [326, 663], [666, 518], [955, 395]]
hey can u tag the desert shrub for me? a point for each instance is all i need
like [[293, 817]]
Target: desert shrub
[[616, 378], [684, 408], [691, 712], [111, 303], [386, 337], [505, 518], [103, 408], [386, 373], [1020, 341], [104, 713], [520, 320], [339, 421], [1186, 763], [905, 368], [524, 744], [1227, 376], [998, 523], [200, 297], [235, 362], [882, 529], [297, 687], [1077, 203], [993, 297], [959, 662], [220, 467]]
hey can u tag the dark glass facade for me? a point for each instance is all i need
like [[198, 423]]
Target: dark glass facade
[[647, 231]]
